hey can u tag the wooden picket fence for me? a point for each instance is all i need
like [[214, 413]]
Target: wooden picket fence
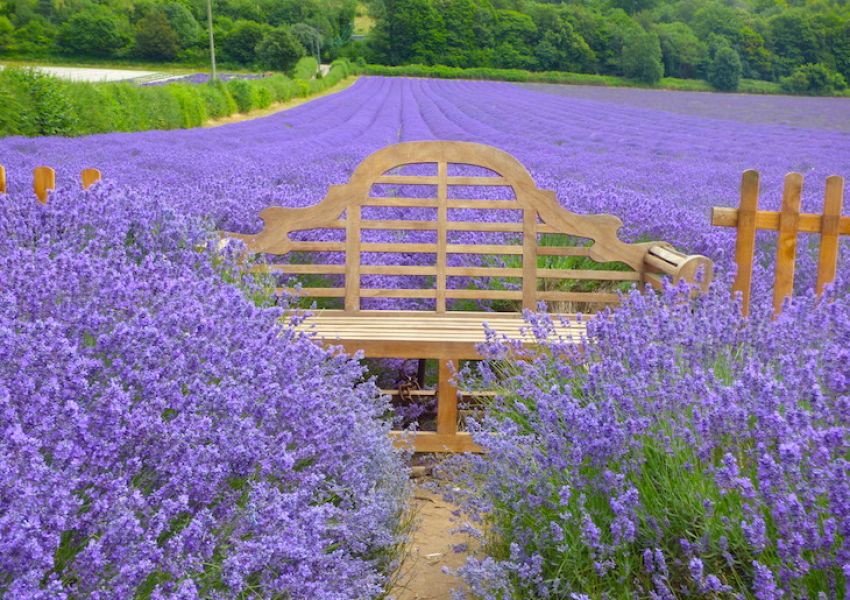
[[44, 180], [788, 222]]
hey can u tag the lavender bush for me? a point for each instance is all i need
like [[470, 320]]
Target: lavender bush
[[681, 452], [162, 436]]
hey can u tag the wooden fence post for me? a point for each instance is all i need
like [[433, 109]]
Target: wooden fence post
[[44, 179], [830, 230], [89, 177], [2, 179], [745, 243], [786, 245]]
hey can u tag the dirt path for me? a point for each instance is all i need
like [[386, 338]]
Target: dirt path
[[430, 551]]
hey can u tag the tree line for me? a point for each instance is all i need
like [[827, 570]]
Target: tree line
[[803, 44], [264, 34]]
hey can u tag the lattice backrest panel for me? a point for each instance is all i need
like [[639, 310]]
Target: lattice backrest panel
[[446, 225]]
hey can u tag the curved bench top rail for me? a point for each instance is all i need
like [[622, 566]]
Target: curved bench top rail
[[539, 213], [602, 229]]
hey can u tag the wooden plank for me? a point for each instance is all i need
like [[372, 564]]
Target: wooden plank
[[482, 249], [401, 202], [769, 220], [406, 180], [395, 225], [313, 292], [352, 259], [426, 271], [429, 441], [484, 204], [832, 204], [496, 226], [435, 180], [398, 247], [442, 240], [588, 274], [44, 180], [593, 297], [89, 177], [446, 400], [484, 272], [746, 238], [529, 260], [786, 245], [298, 269], [318, 247], [2, 179]]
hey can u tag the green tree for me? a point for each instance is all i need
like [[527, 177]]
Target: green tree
[[813, 79], [410, 31], [279, 50], [641, 57], [560, 46], [839, 41], [240, 43], [461, 40], [155, 38], [792, 39], [7, 35], [36, 38], [681, 50], [180, 18], [310, 37], [756, 60], [717, 19], [724, 71], [97, 31], [515, 34]]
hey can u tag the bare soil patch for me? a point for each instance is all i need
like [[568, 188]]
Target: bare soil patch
[[431, 549]]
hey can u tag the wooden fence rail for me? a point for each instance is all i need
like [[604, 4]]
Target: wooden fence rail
[[44, 180], [788, 222]]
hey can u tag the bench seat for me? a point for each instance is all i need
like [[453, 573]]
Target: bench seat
[[420, 334]]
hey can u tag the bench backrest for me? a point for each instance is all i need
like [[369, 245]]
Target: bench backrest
[[453, 222]]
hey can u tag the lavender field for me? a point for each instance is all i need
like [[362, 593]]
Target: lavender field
[[658, 169], [164, 437]]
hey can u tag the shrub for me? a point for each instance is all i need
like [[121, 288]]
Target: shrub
[[39, 102], [682, 452], [218, 101], [242, 93], [306, 68], [155, 38], [724, 71], [813, 79], [163, 437], [641, 57], [279, 50]]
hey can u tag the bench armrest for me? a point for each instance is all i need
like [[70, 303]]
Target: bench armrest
[[666, 260]]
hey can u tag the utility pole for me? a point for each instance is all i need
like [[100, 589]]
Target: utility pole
[[212, 44]]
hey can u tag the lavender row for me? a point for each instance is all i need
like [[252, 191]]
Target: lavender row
[[682, 452], [163, 435], [658, 170], [199, 78]]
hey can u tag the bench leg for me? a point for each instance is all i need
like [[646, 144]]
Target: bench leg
[[446, 401]]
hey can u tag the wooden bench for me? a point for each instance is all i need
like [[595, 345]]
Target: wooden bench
[[435, 229]]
